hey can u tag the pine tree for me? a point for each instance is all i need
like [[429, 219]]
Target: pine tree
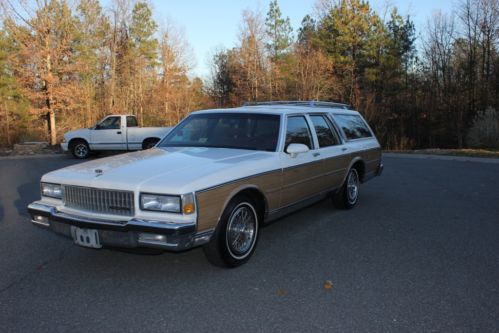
[[278, 30], [144, 47]]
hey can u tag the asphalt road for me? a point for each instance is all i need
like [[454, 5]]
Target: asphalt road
[[419, 253]]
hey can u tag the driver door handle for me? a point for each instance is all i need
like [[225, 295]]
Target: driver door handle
[[119, 132], [316, 154], [343, 149]]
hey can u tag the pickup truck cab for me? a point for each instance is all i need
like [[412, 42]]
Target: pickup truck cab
[[114, 132]]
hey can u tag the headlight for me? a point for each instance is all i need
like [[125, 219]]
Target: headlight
[[168, 203], [161, 203], [51, 190]]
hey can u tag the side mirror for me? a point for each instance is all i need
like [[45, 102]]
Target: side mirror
[[97, 127], [296, 148]]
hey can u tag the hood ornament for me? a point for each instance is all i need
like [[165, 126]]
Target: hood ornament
[[98, 172]]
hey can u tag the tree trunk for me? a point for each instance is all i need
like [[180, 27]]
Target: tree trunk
[[53, 132], [7, 125]]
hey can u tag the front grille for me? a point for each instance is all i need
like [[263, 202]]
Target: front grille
[[99, 201]]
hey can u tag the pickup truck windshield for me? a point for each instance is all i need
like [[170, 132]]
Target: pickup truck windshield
[[226, 130]]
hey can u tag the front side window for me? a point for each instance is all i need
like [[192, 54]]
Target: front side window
[[110, 123], [325, 133], [353, 126], [298, 132], [226, 130]]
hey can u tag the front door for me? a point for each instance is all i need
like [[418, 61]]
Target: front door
[[302, 173], [108, 135]]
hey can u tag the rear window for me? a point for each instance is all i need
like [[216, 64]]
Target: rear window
[[131, 122], [353, 126], [325, 133]]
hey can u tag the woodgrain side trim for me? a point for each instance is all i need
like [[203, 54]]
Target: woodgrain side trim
[[212, 201], [282, 187]]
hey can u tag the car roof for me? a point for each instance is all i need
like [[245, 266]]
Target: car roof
[[282, 109]]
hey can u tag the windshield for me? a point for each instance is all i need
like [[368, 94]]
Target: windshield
[[226, 130]]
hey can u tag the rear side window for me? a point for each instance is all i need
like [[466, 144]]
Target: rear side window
[[325, 133], [353, 126], [131, 122], [298, 132]]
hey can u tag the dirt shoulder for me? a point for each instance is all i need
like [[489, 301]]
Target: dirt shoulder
[[30, 151]]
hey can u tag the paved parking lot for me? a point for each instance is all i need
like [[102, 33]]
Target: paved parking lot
[[419, 253]]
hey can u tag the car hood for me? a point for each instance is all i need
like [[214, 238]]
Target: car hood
[[166, 170], [83, 133]]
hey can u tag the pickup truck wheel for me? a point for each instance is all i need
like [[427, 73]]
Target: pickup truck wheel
[[80, 149], [348, 195], [236, 236], [149, 143]]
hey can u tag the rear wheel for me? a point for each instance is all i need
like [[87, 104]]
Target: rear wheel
[[235, 238], [80, 149], [348, 195]]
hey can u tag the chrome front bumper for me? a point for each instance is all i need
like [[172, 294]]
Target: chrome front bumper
[[134, 233], [64, 146]]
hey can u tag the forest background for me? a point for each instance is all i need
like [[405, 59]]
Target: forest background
[[66, 64]]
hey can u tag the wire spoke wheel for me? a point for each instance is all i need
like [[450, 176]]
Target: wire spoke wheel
[[241, 231], [353, 186]]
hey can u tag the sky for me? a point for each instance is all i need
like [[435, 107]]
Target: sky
[[211, 24]]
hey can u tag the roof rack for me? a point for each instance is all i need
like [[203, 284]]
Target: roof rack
[[317, 104]]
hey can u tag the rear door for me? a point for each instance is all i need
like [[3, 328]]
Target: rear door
[[333, 152]]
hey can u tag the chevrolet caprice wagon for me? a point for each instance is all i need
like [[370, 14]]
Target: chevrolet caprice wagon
[[214, 180]]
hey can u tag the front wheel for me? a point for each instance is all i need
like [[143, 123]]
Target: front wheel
[[80, 149], [235, 238], [348, 195]]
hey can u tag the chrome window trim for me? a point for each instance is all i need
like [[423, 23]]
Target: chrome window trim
[[285, 133]]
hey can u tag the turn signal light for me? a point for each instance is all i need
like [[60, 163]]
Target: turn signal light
[[189, 208]]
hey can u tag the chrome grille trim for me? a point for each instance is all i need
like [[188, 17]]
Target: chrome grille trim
[[112, 202]]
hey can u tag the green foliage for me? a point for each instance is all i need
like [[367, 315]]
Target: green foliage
[[13, 105], [142, 29], [278, 30], [308, 30], [91, 35], [222, 80]]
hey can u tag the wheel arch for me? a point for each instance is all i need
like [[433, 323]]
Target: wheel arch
[[253, 192], [73, 141], [359, 164]]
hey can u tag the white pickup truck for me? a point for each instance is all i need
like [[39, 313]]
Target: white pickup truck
[[115, 132]]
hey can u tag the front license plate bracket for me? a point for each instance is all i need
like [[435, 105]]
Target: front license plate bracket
[[86, 237]]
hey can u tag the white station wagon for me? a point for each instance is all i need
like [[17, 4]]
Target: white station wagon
[[214, 180]]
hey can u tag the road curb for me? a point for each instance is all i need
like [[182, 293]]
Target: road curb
[[444, 158]]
